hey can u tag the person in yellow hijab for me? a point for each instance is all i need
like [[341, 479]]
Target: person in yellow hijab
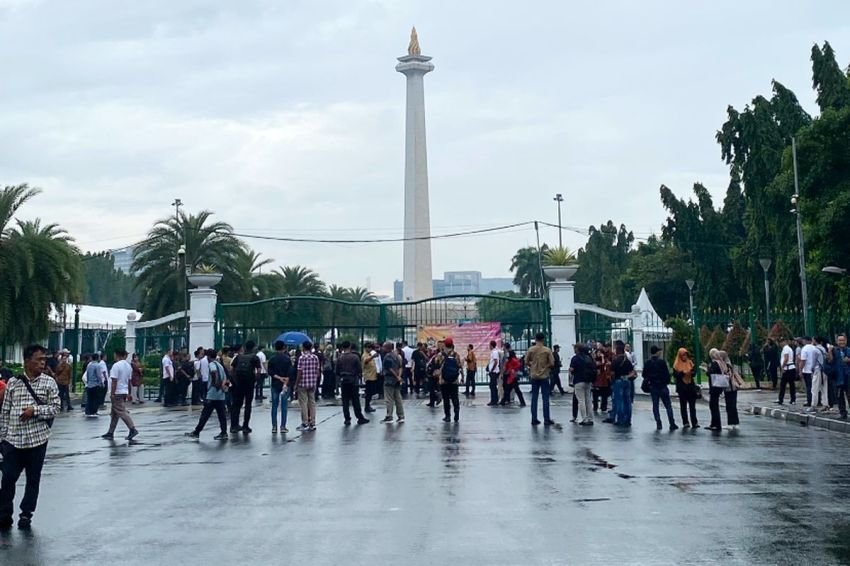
[[686, 387]]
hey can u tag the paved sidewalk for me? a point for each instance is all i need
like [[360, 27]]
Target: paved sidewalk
[[763, 402]]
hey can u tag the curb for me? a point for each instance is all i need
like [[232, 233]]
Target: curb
[[803, 419]]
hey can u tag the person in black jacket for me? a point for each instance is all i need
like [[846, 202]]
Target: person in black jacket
[[656, 372]]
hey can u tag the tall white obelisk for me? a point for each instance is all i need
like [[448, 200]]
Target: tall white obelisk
[[417, 208]]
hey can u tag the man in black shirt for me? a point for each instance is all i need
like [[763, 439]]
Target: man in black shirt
[[656, 372], [280, 366], [245, 366], [349, 370], [185, 373]]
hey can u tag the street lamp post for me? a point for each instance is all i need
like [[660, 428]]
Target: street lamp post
[[185, 270], [690, 284], [559, 198], [765, 265], [801, 252]]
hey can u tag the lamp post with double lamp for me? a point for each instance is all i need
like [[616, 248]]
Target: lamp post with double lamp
[[186, 270], [765, 265], [559, 198], [801, 250]]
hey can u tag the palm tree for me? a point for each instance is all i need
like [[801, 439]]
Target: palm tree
[[256, 285], [298, 281], [339, 293], [527, 276], [40, 268], [361, 295], [162, 281]]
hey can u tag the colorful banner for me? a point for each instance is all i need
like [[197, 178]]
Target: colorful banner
[[479, 334]]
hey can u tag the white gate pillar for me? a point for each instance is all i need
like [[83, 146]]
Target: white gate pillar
[[562, 304], [202, 305], [130, 334], [637, 343]]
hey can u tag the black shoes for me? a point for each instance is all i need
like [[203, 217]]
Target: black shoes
[[347, 422], [6, 522], [107, 436], [446, 420], [674, 426], [246, 430], [221, 436], [192, 434], [362, 421], [535, 422], [549, 423], [133, 434], [25, 522], [235, 429]]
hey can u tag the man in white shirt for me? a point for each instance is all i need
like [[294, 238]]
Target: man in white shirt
[[262, 374], [408, 366], [103, 372], [808, 358], [166, 386], [819, 385], [789, 373], [379, 368], [122, 373], [493, 369]]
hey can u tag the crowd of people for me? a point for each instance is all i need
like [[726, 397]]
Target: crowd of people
[[227, 382]]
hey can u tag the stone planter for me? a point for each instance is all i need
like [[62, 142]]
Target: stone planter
[[205, 280], [560, 272]]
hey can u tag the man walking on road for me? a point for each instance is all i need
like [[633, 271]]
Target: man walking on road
[[539, 361], [62, 375], [93, 386], [30, 404], [392, 384], [218, 385], [122, 373], [349, 372], [309, 370]]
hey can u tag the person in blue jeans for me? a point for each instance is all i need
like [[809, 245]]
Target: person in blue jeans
[[621, 401], [657, 374], [279, 368], [539, 360]]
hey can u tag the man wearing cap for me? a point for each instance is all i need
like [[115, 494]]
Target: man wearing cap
[[450, 365]]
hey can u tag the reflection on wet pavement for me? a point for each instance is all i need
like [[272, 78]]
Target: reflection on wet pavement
[[491, 490]]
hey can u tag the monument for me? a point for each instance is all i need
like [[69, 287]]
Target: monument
[[417, 211]]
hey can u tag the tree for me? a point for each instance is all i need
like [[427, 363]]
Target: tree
[[106, 286], [661, 268], [361, 295], [162, 281], [525, 266], [298, 281], [40, 269], [828, 80], [602, 263]]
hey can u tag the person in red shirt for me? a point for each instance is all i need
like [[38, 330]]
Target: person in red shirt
[[511, 372]]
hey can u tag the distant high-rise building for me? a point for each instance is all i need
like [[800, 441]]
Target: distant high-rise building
[[462, 283], [123, 258]]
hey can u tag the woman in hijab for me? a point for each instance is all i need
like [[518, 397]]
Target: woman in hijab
[[720, 373], [731, 393], [686, 387]]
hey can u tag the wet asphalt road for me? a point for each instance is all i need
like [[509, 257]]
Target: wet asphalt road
[[491, 490]]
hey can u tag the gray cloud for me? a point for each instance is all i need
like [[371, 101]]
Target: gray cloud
[[286, 118]]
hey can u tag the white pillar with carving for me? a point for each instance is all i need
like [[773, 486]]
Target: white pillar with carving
[[202, 304], [130, 334]]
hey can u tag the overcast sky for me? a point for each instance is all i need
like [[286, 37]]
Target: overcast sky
[[286, 117]]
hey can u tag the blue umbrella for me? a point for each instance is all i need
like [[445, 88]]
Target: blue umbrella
[[293, 338]]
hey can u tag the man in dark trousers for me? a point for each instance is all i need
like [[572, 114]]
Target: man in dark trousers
[[656, 372], [556, 370], [349, 370], [246, 365], [30, 403]]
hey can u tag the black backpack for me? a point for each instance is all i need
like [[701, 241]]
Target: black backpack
[[589, 369], [451, 368], [245, 367]]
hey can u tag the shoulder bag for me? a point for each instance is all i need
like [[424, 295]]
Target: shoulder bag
[[38, 400]]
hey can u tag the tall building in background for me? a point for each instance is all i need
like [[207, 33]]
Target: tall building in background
[[123, 258], [417, 211], [462, 283]]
